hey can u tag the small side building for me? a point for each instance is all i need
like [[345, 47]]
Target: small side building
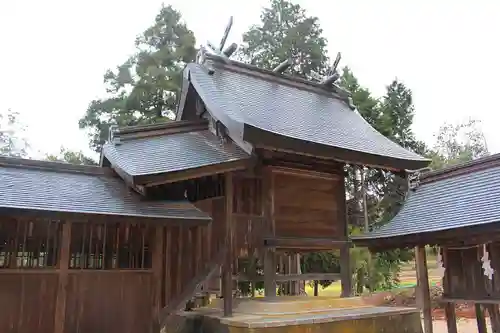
[[81, 252], [456, 209]]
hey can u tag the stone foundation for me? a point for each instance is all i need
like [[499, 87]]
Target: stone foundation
[[300, 314]]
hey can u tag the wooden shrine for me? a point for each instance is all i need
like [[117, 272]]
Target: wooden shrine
[[252, 167]]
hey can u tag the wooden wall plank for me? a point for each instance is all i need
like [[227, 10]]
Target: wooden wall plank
[[158, 269], [449, 310], [60, 308], [227, 269], [168, 265], [307, 206], [269, 219]]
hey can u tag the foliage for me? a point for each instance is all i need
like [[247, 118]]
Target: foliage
[[12, 140], [392, 115], [397, 116], [458, 143], [286, 31], [249, 266], [143, 90], [367, 105], [71, 157], [321, 262]]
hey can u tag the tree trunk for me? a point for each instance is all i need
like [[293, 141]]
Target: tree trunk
[[316, 283]]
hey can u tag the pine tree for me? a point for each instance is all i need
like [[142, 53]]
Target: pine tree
[[143, 90], [286, 31]]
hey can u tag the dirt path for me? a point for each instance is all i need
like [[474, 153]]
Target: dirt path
[[464, 326]]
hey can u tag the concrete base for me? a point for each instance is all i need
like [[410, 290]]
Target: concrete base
[[301, 314]]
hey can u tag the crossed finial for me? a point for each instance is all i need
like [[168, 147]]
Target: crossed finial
[[218, 50]]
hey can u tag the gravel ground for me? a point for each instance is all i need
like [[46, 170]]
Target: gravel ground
[[464, 326]]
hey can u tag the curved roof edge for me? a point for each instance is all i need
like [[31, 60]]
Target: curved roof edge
[[261, 137]]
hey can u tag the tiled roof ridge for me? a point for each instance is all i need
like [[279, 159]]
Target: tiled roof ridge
[[23, 163], [332, 90], [151, 130], [456, 170]]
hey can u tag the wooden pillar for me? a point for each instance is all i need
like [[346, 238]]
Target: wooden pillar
[[449, 308], [345, 256], [158, 276], [168, 265], [423, 289], [480, 318], [451, 318], [64, 255], [494, 317], [345, 271], [269, 252], [295, 269], [227, 269]]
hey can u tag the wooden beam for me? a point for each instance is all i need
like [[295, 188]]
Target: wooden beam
[[168, 265], [296, 243], [471, 300], [157, 264], [179, 261], [60, 307], [291, 277], [345, 271], [269, 253], [480, 318], [227, 269], [282, 170], [449, 309], [345, 254], [176, 176], [494, 316], [423, 287], [103, 217], [295, 270]]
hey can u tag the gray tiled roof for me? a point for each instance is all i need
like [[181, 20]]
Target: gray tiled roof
[[468, 199], [48, 190], [286, 110], [172, 152]]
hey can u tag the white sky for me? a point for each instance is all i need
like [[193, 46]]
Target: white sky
[[54, 53]]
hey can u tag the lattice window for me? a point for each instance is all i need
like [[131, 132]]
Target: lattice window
[[110, 246], [29, 243]]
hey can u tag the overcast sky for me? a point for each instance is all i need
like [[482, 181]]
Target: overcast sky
[[55, 52]]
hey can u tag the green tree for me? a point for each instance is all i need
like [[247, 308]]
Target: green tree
[[286, 31], [71, 157], [397, 116], [143, 90], [367, 105], [321, 262], [12, 140], [392, 115], [458, 143]]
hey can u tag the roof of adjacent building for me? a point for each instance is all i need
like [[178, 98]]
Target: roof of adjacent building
[[272, 109], [165, 149], [62, 190], [465, 195]]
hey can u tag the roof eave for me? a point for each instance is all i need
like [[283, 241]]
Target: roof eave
[[104, 217], [442, 237], [262, 138], [186, 174]]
